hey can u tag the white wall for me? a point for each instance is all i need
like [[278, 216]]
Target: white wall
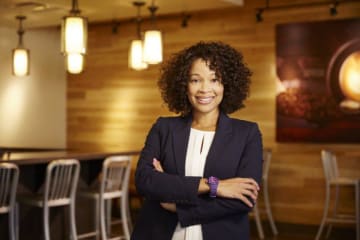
[[33, 108]]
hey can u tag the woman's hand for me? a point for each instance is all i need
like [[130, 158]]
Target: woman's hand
[[157, 165], [167, 206], [239, 188]]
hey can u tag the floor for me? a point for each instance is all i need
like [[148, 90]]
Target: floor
[[297, 232], [301, 232]]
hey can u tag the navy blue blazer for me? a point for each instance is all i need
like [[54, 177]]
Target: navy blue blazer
[[236, 151]]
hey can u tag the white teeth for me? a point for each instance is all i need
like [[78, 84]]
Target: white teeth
[[204, 100]]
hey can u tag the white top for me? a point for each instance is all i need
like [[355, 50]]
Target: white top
[[197, 151]]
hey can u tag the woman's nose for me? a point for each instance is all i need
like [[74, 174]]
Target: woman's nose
[[205, 86]]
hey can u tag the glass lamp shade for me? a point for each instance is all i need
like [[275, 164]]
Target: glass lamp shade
[[21, 62], [153, 47], [73, 35], [136, 61], [74, 63]]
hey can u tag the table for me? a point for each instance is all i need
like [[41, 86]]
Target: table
[[6, 151]]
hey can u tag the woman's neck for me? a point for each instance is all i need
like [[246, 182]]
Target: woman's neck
[[205, 122]]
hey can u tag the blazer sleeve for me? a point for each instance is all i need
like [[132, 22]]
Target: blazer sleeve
[[211, 209], [155, 185]]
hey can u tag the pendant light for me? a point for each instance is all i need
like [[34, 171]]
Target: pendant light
[[136, 61], [74, 31], [74, 62], [20, 55], [153, 41]]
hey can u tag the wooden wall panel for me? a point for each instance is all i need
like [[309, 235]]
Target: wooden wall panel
[[112, 108]]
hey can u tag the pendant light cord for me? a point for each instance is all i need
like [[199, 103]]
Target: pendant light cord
[[21, 30], [153, 10], [138, 18], [75, 8]]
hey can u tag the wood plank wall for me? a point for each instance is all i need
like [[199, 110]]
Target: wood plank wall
[[110, 107]]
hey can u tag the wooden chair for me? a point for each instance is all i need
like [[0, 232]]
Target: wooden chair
[[114, 183], [9, 176], [267, 154], [60, 190], [332, 179]]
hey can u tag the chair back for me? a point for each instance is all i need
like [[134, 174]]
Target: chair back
[[330, 165], [267, 154], [9, 176], [115, 174], [61, 182]]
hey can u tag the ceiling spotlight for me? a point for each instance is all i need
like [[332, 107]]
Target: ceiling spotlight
[[258, 15], [333, 8], [185, 20], [115, 26]]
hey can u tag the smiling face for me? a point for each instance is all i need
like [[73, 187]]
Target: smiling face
[[205, 90]]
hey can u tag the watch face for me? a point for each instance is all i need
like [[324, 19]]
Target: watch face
[[213, 184], [213, 179]]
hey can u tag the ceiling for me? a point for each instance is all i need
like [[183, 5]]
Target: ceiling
[[41, 13]]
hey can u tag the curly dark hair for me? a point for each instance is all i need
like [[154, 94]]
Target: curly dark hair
[[223, 59]]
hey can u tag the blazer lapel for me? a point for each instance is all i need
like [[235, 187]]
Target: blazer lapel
[[180, 140], [222, 135]]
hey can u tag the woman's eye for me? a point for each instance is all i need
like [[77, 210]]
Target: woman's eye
[[194, 80], [215, 80]]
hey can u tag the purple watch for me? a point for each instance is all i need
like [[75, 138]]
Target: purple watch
[[213, 183]]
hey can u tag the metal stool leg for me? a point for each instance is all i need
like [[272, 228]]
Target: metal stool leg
[[124, 217], [129, 213], [268, 209], [97, 218], [72, 221], [357, 209], [16, 221], [46, 223], [326, 209], [102, 220], [12, 223], [258, 222]]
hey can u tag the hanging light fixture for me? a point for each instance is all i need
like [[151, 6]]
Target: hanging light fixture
[[136, 60], [74, 31], [20, 55], [153, 41], [74, 63]]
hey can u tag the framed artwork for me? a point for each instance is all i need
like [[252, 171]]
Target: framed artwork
[[318, 81]]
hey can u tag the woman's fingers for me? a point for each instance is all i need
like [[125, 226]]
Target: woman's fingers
[[157, 165], [169, 206], [246, 201], [250, 193], [252, 182], [239, 188]]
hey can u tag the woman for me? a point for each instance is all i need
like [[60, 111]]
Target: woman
[[199, 172]]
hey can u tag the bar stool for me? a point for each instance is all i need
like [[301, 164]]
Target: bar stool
[[114, 183], [332, 179], [60, 188], [9, 176], [267, 154]]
